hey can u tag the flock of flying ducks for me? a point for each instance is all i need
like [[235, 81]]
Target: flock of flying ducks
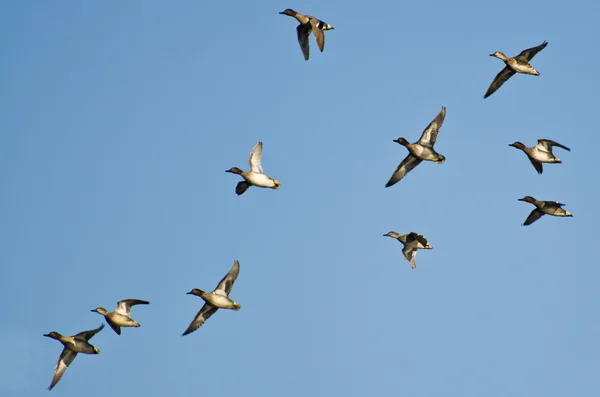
[[422, 150]]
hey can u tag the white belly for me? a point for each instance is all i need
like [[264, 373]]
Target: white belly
[[260, 180], [219, 301]]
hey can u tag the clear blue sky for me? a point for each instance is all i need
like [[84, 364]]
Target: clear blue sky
[[120, 118]]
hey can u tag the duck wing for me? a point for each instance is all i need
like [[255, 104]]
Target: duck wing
[[528, 54], [410, 253], [547, 144], [556, 203], [226, 283], [500, 79], [254, 159], [303, 33], [241, 187], [537, 165], [66, 358], [404, 168], [203, 315], [534, 216], [319, 35], [124, 306], [421, 240], [87, 335], [430, 134]]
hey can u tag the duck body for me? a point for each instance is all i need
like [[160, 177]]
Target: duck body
[[255, 178], [77, 345], [217, 299], [422, 152], [307, 25]]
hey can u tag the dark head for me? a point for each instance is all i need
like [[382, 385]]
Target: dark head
[[528, 199], [100, 310], [498, 54], [235, 170], [288, 11], [197, 292], [518, 145], [53, 335], [402, 141]]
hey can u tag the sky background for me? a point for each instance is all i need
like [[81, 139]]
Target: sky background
[[118, 120]]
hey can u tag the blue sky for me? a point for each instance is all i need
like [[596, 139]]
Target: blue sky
[[119, 120]]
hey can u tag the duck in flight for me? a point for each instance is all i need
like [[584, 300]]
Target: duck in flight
[[72, 345], [218, 299], [256, 176], [540, 153], [543, 208], [421, 150], [121, 317], [308, 24], [518, 64], [411, 242]]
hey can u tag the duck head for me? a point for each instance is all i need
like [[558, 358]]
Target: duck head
[[100, 310], [528, 199], [402, 141], [518, 145], [277, 184], [235, 170], [54, 335], [288, 11], [197, 292], [498, 55], [391, 234]]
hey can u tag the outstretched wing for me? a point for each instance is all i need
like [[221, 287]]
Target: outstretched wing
[[241, 187], [500, 79], [254, 159], [87, 335], [537, 165], [303, 40], [319, 35], [66, 358], [430, 133], [534, 216], [404, 168], [529, 53], [203, 315], [547, 144], [410, 253], [226, 283], [124, 306]]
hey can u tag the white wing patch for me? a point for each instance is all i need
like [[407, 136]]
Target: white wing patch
[[254, 159]]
